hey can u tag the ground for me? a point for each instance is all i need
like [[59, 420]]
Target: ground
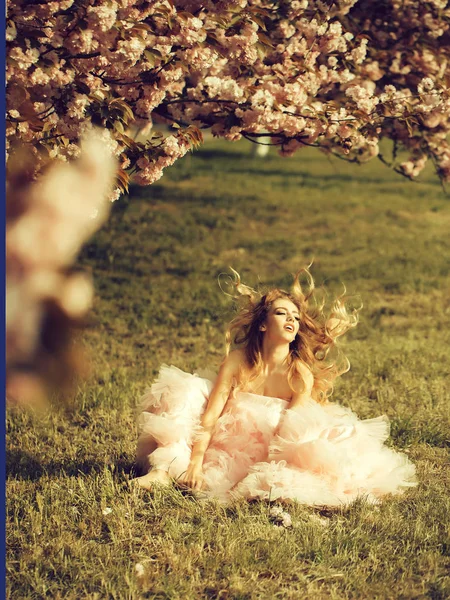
[[75, 527]]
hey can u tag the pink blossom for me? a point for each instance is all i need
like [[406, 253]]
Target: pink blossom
[[115, 195], [81, 41], [432, 120], [11, 33], [38, 77], [363, 97], [425, 85], [359, 53], [24, 58], [286, 76], [372, 70], [57, 214], [104, 15], [226, 89], [414, 166], [76, 108]]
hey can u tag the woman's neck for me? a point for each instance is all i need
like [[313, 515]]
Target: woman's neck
[[274, 355]]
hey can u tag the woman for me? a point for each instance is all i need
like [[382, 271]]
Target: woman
[[265, 429]]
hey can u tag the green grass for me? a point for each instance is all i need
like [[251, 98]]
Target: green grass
[[155, 266]]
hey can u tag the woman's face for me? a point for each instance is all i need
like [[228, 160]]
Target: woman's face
[[282, 321]]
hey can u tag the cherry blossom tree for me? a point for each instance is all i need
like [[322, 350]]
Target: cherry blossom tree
[[47, 222], [337, 74]]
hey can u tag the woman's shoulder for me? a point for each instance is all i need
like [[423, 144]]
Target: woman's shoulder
[[235, 359], [232, 365], [303, 377]]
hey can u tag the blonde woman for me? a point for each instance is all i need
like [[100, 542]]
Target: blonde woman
[[264, 428]]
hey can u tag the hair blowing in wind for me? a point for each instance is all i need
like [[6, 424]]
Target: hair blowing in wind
[[315, 345]]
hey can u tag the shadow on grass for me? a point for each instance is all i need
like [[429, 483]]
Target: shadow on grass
[[405, 432], [325, 180], [24, 466], [157, 193], [219, 153]]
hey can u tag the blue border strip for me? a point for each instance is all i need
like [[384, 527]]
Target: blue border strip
[[3, 341]]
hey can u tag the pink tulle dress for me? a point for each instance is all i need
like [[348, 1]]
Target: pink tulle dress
[[319, 455]]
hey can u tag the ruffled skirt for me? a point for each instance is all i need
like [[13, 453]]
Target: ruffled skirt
[[320, 455]]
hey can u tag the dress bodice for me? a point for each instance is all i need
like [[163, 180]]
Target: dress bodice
[[252, 397]]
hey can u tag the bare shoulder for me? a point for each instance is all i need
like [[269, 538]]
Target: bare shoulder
[[233, 361], [305, 381]]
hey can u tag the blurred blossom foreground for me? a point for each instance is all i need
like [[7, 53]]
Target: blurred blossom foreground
[[47, 222]]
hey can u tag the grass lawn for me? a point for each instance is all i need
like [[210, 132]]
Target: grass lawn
[[75, 528]]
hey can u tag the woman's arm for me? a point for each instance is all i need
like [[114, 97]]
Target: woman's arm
[[216, 403]]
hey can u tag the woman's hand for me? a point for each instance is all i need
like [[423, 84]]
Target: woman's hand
[[194, 475], [216, 403]]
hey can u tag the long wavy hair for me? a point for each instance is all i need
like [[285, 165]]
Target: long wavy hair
[[315, 342]]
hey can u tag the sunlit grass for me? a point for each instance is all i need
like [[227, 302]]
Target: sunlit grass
[[155, 266]]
